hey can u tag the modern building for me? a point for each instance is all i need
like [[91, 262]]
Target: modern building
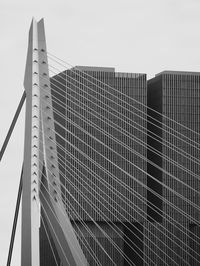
[[176, 96], [101, 143], [129, 204]]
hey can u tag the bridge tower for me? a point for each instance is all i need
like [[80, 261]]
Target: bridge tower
[[41, 183]]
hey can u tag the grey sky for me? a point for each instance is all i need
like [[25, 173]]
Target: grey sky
[[131, 35]]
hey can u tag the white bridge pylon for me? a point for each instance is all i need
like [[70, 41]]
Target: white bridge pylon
[[40, 153]]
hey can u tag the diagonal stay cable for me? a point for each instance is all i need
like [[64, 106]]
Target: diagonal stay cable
[[55, 217], [181, 166], [108, 184], [12, 125], [93, 256], [46, 215], [88, 248], [105, 221], [170, 203], [178, 150], [151, 148], [190, 217], [54, 256], [88, 228], [76, 69], [15, 220], [164, 185], [143, 157], [186, 170], [104, 233], [84, 197], [118, 141], [81, 240], [76, 188], [133, 192], [52, 211]]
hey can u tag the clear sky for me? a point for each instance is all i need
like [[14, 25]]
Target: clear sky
[[145, 36]]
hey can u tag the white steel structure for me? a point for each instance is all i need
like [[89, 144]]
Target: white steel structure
[[40, 153]]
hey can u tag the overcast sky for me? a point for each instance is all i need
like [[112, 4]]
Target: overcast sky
[[145, 36]]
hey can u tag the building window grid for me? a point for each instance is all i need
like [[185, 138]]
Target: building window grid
[[137, 92], [188, 99]]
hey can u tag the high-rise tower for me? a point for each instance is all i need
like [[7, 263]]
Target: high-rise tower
[[174, 117], [97, 137]]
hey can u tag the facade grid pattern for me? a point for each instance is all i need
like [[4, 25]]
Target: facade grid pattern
[[178, 100], [93, 102]]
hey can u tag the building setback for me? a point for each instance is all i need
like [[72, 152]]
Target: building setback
[[176, 95]]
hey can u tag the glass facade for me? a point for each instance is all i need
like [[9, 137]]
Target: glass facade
[[177, 96], [103, 130], [101, 138]]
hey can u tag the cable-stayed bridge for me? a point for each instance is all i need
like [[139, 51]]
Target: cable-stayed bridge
[[106, 179]]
